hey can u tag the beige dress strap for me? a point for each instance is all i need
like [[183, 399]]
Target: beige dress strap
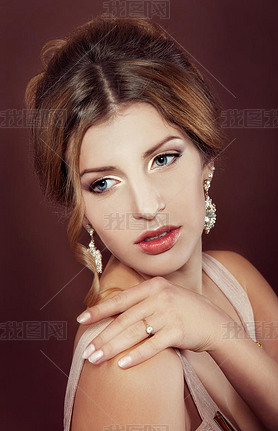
[[233, 290], [76, 367], [238, 297], [205, 405]]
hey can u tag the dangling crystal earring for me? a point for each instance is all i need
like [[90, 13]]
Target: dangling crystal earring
[[210, 216], [93, 250]]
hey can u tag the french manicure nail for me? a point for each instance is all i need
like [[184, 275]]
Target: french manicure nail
[[88, 351], [126, 360], [95, 356], [83, 317]]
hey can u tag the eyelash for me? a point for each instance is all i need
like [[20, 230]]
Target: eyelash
[[94, 184]]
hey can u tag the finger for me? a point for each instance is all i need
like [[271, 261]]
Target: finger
[[119, 302], [126, 340], [146, 350], [124, 321]]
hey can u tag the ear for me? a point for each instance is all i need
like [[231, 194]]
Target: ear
[[208, 171], [85, 222]]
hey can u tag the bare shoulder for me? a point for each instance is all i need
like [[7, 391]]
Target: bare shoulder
[[116, 274], [234, 262], [243, 270], [262, 297], [149, 393]]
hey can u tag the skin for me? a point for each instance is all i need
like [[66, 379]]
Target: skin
[[172, 291], [146, 193]]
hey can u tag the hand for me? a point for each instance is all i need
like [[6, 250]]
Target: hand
[[180, 318]]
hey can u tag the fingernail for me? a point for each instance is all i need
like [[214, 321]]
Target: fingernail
[[88, 351], [123, 362], [95, 356], [83, 317]]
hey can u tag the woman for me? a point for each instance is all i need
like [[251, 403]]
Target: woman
[[129, 149]]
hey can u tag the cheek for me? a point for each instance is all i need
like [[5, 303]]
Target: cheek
[[108, 221], [192, 204], [113, 222], [200, 211], [200, 200], [96, 211]]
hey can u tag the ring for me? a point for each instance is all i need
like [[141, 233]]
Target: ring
[[149, 328]]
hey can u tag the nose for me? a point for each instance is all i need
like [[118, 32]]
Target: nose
[[147, 200]]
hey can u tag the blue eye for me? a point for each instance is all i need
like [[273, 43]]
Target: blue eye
[[102, 188], [164, 156], [101, 185]]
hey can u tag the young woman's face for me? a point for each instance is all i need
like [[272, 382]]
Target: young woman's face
[[143, 193]]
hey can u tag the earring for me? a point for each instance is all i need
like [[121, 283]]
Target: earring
[[93, 250], [210, 216]]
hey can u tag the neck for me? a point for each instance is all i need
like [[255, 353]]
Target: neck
[[190, 275]]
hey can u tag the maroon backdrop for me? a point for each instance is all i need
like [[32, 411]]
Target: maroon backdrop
[[235, 45]]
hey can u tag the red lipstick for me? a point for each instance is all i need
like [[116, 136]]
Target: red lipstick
[[149, 244]]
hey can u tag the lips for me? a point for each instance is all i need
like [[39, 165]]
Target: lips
[[152, 233]]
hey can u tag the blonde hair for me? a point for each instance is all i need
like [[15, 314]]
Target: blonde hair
[[87, 77]]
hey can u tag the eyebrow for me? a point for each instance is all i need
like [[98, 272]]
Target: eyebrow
[[144, 156]]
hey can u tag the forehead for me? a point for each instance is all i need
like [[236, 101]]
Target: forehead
[[138, 123]]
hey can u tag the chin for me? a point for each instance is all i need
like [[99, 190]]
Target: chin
[[162, 264]]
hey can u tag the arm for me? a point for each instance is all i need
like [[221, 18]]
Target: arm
[[253, 371], [151, 393]]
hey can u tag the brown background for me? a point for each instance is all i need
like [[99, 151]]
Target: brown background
[[235, 44]]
